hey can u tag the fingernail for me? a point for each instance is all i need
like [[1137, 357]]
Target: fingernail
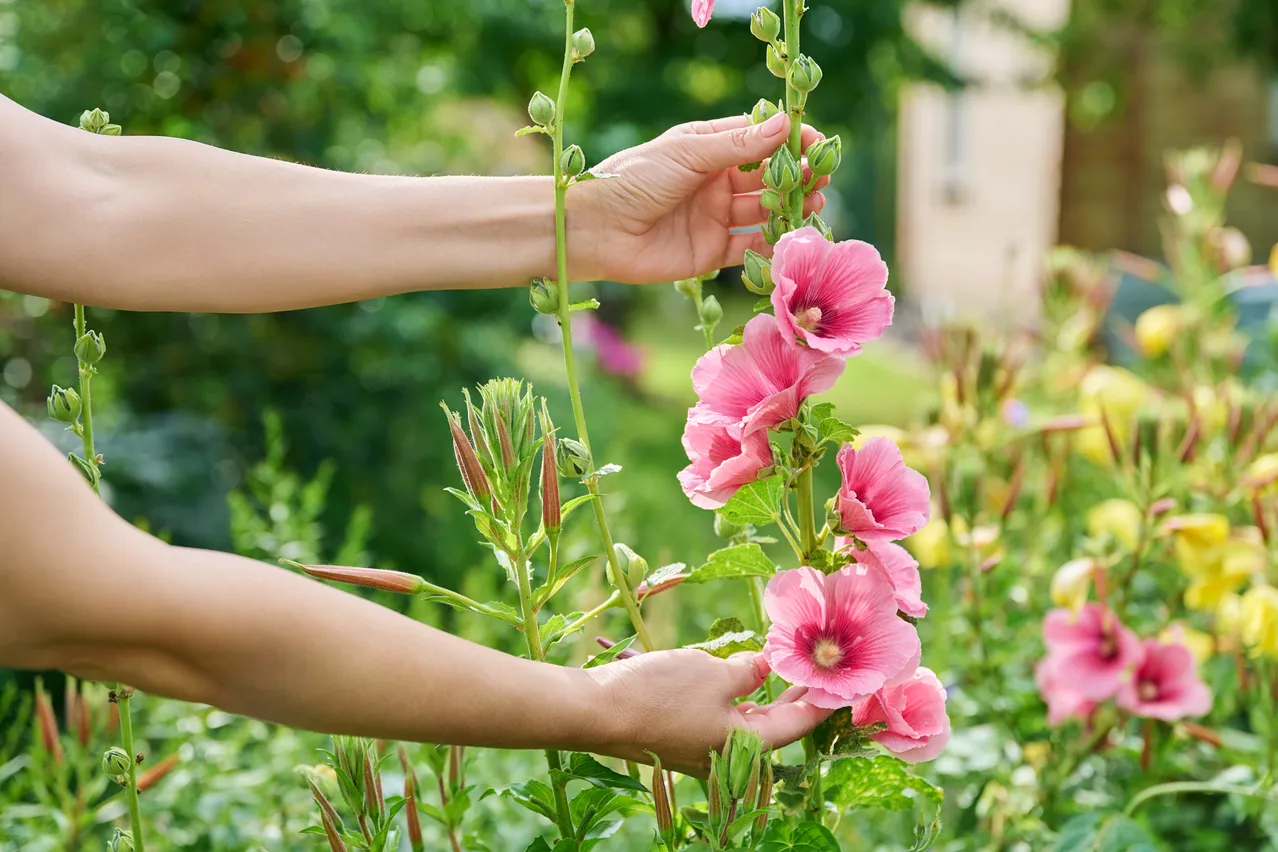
[[774, 125]]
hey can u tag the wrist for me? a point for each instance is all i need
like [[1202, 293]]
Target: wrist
[[583, 241]]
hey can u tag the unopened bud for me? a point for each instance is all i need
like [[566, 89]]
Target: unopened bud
[[472, 472], [551, 513], [573, 458], [94, 120], [63, 404], [116, 763], [87, 469], [711, 312], [770, 200], [724, 528], [773, 228], [743, 751], [815, 221], [762, 111], [804, 74], [689, 287], [369, 578], [543, 295], [374, 803], [633, 566], [661, 803], [717, 786], [572, 161], [783, 173], [121, 841], [583, 44], [765, 25], [825, 156], [541, 109], [756, 273], [1231, 247], [775, 63], [1158, 328], [90, 348], [765, 796]]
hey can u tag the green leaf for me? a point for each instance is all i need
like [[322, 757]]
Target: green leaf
[[804, 837], [839, 736], [880, 782], [538, 845], [1105, 832], [532, 128], [583, 767], [533, 795], [569, 507], [727, 637], [502, 611], [590, 807], [548, 590], [739, 560], [737, 336], [559, 627], [608, 654], [835, 431], [749, 167], [820, 412], [587, 305], [757, 503], [603, 471], [764, 304], [593, 175]]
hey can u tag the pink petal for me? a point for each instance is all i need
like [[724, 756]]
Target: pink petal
[[901, 568], [701, 11], [881, 499]]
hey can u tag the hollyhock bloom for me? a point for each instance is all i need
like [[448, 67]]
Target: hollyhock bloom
[[830, 295], [613, 352], [1094, 652], [1166, 684], [914, 711], [838, 634], [701, 11], [1056, 687], [762, 381], [901, 569], [881, 499], [722, 461]]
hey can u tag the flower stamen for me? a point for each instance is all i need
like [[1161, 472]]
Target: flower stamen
[[826, 654]]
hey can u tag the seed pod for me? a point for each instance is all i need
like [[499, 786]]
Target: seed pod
[[711, 312], [661, 804], [541, 109], [765, 796], [783, 173], [551, 513], [583, 44], [467, 462]]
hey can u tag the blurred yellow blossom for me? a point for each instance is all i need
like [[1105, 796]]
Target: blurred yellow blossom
[[1218, 570], [931, 545], [984, 539], [1118, 518], [1262, 471], [1036, 753], [1229, 621], [1201, 645], [1258, 620], [1198, 530], [1158, 327], [1092, 444], [1118, 392], [1072, 583]]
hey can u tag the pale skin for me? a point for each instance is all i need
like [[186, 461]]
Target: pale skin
[[171, 225]]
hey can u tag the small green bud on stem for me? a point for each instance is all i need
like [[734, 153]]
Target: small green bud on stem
[[543, 295], [573, 458], [825, 156], [762, 111], [804, 74], [572, 161], [756, 273], [541, 109], [765, 25], [63, 404], [116, 763], [90, 348], [583, 44]]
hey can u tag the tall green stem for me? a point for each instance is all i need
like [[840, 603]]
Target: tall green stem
[[570, 359], [86, 403], [794, 102], [807, 517], [760, 622], [126, 735], [532, 636]]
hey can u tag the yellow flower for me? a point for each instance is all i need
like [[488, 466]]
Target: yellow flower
[[984, 540], [1036, 753], [1072, 583], [880, 430], [931, 545], [1205, 593], [1258, 620], [1118, 518], [1198, 530], [1158, 327], [1201, 645], [1228, 623], [1118, 392], [1218, 570], [1092, 444], [1262, 471]]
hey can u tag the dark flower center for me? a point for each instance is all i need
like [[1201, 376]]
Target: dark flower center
[[1147, 690], [808, 319]]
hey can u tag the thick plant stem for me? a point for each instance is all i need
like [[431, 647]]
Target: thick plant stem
[[131, 790], [794, 102], [570, 358], [760, 622], [807, 518], [86, 402], [532, 636]]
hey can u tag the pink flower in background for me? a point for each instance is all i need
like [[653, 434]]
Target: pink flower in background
[[1063, 702], [1165, 684], [1091, 650], [901, 568], [881, 499], [762, 381], [837, 634], [722, 461], [914, 711], [701, 11], [830, 295], [613, 353]]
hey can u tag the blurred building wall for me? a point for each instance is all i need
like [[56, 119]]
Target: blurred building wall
[[979, 170]]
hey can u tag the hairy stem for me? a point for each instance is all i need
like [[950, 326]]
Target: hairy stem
[[86, 403], [807, 518], [131, 788], [794, 102]]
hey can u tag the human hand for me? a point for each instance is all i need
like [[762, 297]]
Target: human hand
[[669, 212], [678, 705]]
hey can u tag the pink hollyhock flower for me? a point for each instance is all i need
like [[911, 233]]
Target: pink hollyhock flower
[[881, 499], [1063, 701], [914, 711], [901, 568], [701, 11], [613, 352], [722, 461], [837, 634], [1092, 650], [1166, 684], [762, 381], [830, 295]]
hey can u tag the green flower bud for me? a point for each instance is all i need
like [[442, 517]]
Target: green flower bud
[[757, 274], [90, 348], [63, 404], [773, 228], [804, 74], [815, 221], [543, 295], [541, 109], [94, 120], [765, 25], [633, 566], [762, 111], [771, 200], [88, 471], [121, 841], [783, 172], [689, 287], [583, 44], [116, 762], [711, 311], [111, 130], [744, 751], [572, 161], [724, 528], [573, 458], [825, 156], [775, 63]]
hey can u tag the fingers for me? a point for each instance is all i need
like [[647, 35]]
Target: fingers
[[736, 146], [752, 181], [785, 721], [747, 211], [747, 672]]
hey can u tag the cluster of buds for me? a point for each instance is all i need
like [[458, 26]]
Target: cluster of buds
[[359, 784], [1199, 244], [979, 380], [740, 784]]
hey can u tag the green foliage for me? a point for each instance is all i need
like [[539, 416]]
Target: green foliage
[[878, 782], [1105, 832], [804, 837], [757, 503], [727, 637], [737, 561]]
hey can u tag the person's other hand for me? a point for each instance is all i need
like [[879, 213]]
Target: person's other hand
[[670, 212], [679, 705]]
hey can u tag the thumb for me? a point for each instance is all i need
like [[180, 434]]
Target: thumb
[[746, 672], [711, 152]]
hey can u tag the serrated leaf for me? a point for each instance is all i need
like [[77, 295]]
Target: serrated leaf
[[835, 431], [538, 845], [820, 412], [559, 627], [727, 637], [749, 167], [739, 560], [879, 782], [764, 304], [464, 497], [536, 796], [608, 654], [1105, 832], [591, 806], [804, 837], [838, 735], [583, 767], [757, 503], [603, 471]]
